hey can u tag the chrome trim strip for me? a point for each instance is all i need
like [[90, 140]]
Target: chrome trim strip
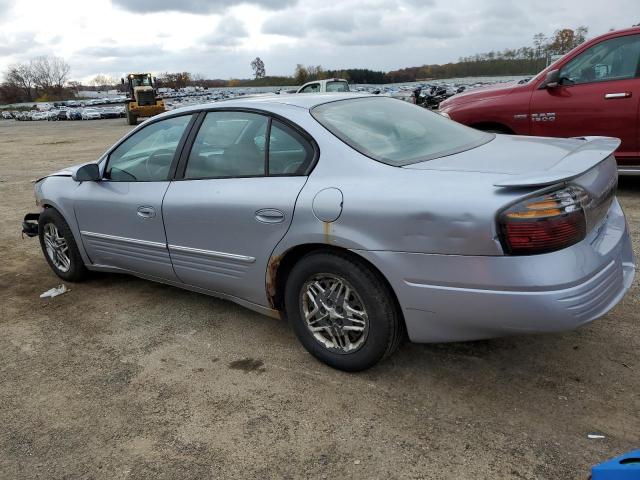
[[629, 170], [211, 253], [134, 241]]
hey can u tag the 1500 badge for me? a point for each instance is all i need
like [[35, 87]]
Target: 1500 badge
[[543, 117]]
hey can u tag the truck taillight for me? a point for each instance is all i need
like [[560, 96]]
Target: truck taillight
[[545, 223]]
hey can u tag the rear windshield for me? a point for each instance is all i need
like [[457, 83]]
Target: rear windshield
[[337, 86], [395, 132]]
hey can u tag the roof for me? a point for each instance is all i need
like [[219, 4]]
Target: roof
[[302, 100]]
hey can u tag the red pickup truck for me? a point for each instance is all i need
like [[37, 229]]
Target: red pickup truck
[[592, 90]]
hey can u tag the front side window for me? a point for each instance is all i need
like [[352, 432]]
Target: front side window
[[228, 144], [146, 156], [337, 86], [394, 132], [614, 59], [313, 88]]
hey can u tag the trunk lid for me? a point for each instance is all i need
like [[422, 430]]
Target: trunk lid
[[518, 161], [516, 167]]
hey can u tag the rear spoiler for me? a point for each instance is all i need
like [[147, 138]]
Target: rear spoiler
[[593, 151]]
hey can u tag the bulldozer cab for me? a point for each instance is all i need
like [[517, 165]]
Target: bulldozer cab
[[135, 80]]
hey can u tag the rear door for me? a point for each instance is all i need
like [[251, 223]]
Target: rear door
[[235, 200], [599, 94], [120, 217]]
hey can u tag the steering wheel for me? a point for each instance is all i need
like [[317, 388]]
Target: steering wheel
[[159, 158]]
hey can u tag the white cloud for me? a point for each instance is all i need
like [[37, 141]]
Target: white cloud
[[219, 38]]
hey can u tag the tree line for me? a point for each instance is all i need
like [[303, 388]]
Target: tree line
[[46, 77]]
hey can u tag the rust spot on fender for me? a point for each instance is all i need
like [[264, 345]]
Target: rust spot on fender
[[272, 270], [326, 229]]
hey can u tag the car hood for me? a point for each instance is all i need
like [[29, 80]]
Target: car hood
[[481, 93], [517, 161]]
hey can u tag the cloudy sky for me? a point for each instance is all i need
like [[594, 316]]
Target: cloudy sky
[[218, 38]]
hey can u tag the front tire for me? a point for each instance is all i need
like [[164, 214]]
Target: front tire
[[342, 311], [132, 119], [59, 247]]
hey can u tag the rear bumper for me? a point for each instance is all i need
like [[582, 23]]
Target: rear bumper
[[454, 298]]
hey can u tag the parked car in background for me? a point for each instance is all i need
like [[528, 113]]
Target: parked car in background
[[593, 90], [74, 114], [44, 115], [109, 112], [323, 86], [7, 115], [91, 114], [476, 235]]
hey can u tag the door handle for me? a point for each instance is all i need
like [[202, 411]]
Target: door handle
[[146, 212], [270, 215], [610, 96]]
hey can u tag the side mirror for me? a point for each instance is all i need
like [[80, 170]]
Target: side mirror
[[87, 173], [552, 80]]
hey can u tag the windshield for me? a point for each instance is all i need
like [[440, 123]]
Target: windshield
[[394, 132], [141, 81]]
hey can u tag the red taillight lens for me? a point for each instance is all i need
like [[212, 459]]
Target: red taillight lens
[[545, 223]]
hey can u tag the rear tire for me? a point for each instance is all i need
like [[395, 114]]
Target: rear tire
[[362, 302], [59, 247]]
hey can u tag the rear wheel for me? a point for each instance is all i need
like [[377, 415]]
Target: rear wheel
[[59, 246], [342, 312]]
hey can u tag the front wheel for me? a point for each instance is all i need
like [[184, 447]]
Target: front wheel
[[342, 311], [59, 246], [132, 119]]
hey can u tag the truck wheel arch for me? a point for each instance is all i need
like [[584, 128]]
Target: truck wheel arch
[[492, 127]]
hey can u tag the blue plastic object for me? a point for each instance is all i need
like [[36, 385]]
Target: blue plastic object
[[624, 467]]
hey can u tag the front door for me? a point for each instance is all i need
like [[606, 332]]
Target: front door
[[599, 94], [235, 201], [120, 217]]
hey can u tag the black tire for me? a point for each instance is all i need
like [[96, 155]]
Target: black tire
[[385, 326], [76, 271], [132, 119]]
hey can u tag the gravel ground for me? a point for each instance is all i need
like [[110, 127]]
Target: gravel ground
[[122, 378]]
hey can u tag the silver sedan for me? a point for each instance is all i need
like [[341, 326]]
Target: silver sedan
[[358, 218]]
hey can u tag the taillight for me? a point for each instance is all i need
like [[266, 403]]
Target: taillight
[[545, 223]]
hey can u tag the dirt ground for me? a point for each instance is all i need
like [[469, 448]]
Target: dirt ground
[[123, 378]]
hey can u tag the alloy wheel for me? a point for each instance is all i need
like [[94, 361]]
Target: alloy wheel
[[56, 247], [334, 313]]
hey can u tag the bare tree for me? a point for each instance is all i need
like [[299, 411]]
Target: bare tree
[[21, 76], [50, 72], [103, 81], [257, 65]]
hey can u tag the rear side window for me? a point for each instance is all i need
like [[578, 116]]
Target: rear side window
[[234, 144], [614, 59], [289, 152], [394, 132], [228, 144], [337, 87]]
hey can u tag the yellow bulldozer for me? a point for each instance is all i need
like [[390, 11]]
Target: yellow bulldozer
[[143, 100]]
